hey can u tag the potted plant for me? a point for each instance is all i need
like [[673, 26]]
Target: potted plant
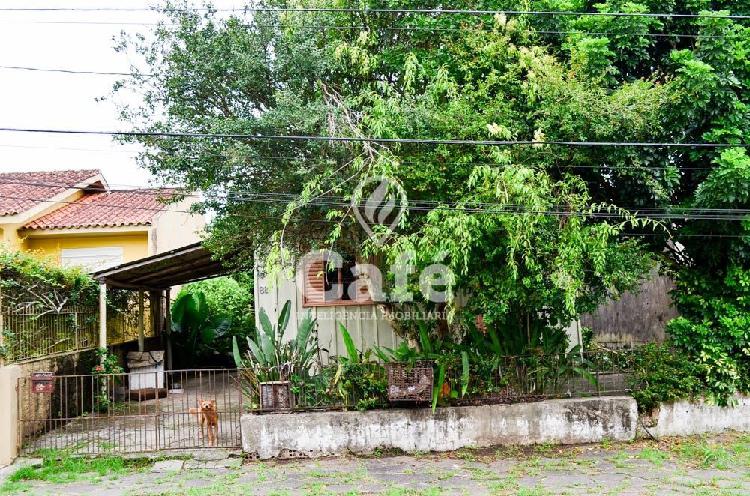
[[272, 362]]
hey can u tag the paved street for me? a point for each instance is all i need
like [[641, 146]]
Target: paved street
[[698, 466]]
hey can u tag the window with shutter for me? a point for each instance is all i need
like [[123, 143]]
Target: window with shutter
[[328, 286]]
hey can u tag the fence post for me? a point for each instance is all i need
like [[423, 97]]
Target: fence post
[[9, 429], [168, 328], [76, 329]]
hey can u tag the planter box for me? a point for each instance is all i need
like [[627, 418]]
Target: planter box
[[276, 395], [410, 383]]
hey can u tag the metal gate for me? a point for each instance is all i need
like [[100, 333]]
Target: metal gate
[[92, 414]]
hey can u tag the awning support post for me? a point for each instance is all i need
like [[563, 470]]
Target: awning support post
[[141, 322], [168, 327], [103, 315]]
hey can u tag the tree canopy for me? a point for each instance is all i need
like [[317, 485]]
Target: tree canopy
[[536, 233]]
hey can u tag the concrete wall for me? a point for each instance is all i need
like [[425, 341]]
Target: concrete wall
[[686, 418], [174, 228], [636, 317], [9, 417], [569, 421]]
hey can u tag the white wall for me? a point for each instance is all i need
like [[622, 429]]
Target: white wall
[[365, 323], [688, 418], [174, 228], [313, 434]]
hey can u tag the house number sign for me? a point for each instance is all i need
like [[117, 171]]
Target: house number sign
[[43, 382]]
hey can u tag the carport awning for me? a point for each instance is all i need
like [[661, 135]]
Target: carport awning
[[180, 266]]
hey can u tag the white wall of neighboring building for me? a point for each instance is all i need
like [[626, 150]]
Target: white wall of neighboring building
[[175, 228]]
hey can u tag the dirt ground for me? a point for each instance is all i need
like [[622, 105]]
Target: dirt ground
[[718, 465]]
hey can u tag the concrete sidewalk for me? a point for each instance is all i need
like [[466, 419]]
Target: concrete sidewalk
[[700, 466]]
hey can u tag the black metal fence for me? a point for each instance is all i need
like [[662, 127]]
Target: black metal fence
[[134, 412], [149, 411]]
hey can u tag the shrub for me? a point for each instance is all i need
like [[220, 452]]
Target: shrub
[[663, 374], [207, 315], [26, 280]]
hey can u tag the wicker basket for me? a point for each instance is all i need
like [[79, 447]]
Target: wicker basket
[[276, 395], [410, 382]]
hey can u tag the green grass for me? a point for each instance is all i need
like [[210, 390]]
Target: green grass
[[508, 485], [402, 491], [655, 456], [706, 455], [620, 459], [533, 491], [483, 474], [59, 467]]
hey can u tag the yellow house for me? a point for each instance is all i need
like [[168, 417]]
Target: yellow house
[[74, 218]]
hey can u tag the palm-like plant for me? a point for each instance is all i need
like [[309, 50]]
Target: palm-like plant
[[194, 325], [271, 357]]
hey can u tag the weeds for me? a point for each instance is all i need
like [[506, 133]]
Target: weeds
[[653, 455], [60, 467]]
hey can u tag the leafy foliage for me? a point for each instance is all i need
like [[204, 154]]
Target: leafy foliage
[[662, 374], [359, 380], [197, 331], [29, 281], [226, 304], [522, 228], [273, 357]]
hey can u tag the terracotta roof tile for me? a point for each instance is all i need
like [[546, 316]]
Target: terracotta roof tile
[[111, 209], [21, 191]]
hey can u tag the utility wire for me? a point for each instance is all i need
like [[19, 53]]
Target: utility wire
[[483, 208], [343, 10], [348, 139], [319, 27], [422, 163], [72, 149], [69, 71], [284, 197]]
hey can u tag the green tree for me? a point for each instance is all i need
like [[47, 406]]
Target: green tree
[[506, 77]]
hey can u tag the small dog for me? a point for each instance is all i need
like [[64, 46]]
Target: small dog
[[208, 416]]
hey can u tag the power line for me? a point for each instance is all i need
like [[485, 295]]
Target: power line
[[426, 206], [66, 148], [343, 10], [364, 27], [436, 162], [285, 197], [348, 139], [70, 71]]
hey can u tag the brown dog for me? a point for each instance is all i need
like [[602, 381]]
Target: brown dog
[[208, 416]]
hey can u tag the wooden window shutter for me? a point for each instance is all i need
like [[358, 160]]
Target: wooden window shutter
[[314, 288]]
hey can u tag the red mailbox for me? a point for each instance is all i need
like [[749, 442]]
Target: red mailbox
[[43, 382]]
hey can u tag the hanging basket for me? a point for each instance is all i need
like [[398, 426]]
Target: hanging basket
[[410, 383], [276, 395]]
